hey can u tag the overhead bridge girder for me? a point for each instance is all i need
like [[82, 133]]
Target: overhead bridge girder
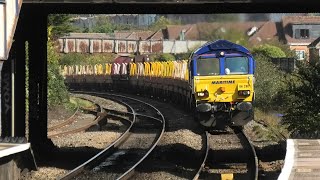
[[166, 1]]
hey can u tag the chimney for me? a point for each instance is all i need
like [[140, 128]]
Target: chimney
[[182, 35]]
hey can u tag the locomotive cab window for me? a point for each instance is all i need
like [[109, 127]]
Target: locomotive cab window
[[208, 66], [237, 65]]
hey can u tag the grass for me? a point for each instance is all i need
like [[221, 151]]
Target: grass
[[71, 105], [82, 103], [274, 129]]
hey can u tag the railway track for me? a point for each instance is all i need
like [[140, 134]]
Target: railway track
[[205, 155], [119, 160], [65, 122], [74, 125], [230, 155]]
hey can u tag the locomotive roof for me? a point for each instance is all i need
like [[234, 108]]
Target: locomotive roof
[[220, 45]]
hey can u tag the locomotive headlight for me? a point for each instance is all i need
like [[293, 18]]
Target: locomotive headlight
[[244, 93], [204, 93]]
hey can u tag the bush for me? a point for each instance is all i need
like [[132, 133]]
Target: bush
[[268, 51], [57, 91], [269, 85], [302, 114], [78, 58], [71, 58], [166, 57], [182, 56]]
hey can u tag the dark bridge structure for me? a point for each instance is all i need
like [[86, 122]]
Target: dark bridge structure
[[31, 27]]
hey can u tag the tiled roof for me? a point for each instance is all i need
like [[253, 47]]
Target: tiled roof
[[267, 31], [122, 35], [175, 30], [198, 31], [89, 35], [315, 43], [287, 21], [159, 35], [143, 34]]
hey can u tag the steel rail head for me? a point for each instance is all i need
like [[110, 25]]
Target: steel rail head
[[130, 172], [256, 161], [101, 154], [205, 156], [67, 121]]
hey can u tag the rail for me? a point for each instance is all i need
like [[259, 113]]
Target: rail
[[121, 142]]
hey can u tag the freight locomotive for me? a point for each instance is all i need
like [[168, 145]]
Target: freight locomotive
[[216, 83]]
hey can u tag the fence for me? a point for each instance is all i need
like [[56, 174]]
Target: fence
[[86, 45], [285, 64]]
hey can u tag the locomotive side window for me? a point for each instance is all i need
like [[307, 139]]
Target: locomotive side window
[[208, 66], [237, 65]]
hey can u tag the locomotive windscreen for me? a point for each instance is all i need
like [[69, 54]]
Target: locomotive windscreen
[[237, 65], [208, 66]]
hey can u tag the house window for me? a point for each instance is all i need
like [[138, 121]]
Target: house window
[[302, 33], [300, 54]]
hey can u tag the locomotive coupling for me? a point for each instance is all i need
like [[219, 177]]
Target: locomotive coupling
[[204, 107], [244, 106]]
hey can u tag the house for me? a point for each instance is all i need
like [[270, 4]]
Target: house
[[258, 32], [299, 32], [314, 50]]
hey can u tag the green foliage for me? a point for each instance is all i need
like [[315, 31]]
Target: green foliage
[[27, 76], [61, 24], [182, 56], [268, 51], [232, 35], [269, 85], [302, 114], [161, 23], [72, 59], [57, 91], [103, 25], [81, 59], [284, 47], [166, 57], [223, 17], [273, 123]]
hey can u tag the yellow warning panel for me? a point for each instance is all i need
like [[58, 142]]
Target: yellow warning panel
[[226, 176]]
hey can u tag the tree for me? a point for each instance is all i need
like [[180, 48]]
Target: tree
[[232, 35], [270, 85], [57, 91], [60, 25], [166, 57], [103, 25], [161, 23], [302, 114], [223, 17], [269, 51]]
